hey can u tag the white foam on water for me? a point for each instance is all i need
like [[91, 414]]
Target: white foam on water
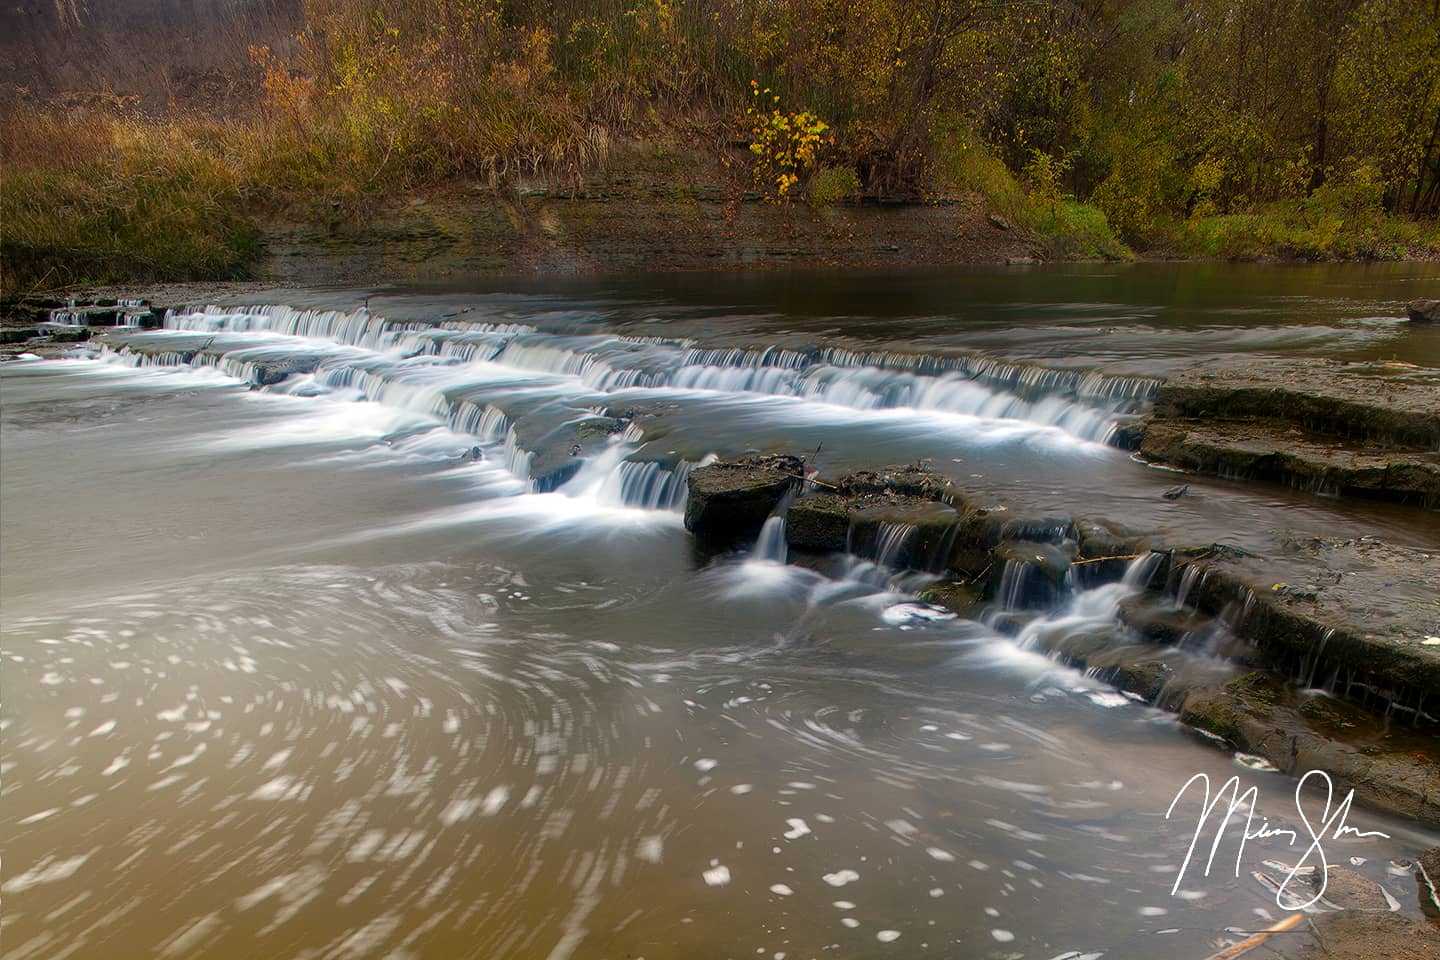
[[717, 876], [47, 870], [651, 849], [494, 801]]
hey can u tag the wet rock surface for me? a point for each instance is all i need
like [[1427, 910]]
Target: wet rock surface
[[1427, 880], [912, 533], [1396, 404], [1280, 453], [1224, 637], [730, 500], [1346, 889], [1358, 615], [1388, 767], [1159, 621], [1348, 429], [1423, 311], [1367, 935]]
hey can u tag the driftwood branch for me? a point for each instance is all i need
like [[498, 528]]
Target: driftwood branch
[[1250, 943], [818, 483]]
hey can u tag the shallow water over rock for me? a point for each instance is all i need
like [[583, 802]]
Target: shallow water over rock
[[407, 653]]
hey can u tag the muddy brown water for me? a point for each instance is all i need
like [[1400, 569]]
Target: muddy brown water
[[287, 675]]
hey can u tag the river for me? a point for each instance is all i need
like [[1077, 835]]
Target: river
[[364, 663]]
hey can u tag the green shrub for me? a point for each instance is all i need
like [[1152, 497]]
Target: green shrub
[[830, 185], [1069, 230], [962, 162]]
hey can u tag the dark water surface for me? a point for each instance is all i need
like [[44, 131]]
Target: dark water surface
[[286, 674]]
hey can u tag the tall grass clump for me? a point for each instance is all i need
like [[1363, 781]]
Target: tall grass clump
[[89, 198]]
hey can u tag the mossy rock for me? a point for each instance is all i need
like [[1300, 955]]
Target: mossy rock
[[958, 596], [1082, 648], [1051, 561], [911, 480], [730, 500], [819, 522], [931, 529], [1158, 622]]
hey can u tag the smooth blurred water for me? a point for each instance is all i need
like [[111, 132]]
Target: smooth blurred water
[[290, 672]]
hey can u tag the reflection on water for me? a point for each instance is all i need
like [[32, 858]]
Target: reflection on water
[[298, 675]]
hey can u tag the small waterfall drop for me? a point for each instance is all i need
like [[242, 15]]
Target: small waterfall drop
[[770, 546], [1011, 592], [891, 540], [1084, 404]]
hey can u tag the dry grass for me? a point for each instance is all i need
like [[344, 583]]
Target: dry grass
[[91, 198]]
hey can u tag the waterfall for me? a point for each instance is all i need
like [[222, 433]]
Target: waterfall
[[487, 422], [1307, 676], [515, 457], [770, 546], [1085, 404], [890, 542], [647, 484], [1011, 593], [1193, 573], [1092, 609], [1140, 571]]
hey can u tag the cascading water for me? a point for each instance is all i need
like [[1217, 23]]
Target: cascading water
[[1085, 404], [1087, 610], [406, 660], [648, 485], [770, 546], [432, 369], [1011, 592], [1193, 574], [891, 540]]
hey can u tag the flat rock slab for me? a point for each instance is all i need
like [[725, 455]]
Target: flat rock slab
[[1388, 766], [1367, 935], [1423, 311], [1363, 613], [1395, 404], [729, 501], [1283, 453]]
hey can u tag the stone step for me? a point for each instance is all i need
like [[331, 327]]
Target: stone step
[[1277, 451], [1391, 404]]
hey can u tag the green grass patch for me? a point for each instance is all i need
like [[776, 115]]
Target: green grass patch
[[1305, 232], [1070, 230], [118, 202]]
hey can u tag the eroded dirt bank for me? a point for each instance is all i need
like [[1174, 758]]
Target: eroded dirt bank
[[635, 221]]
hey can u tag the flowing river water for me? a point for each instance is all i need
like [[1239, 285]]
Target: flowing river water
[[363, 663]]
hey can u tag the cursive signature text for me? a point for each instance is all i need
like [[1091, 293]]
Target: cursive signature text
[[1230, 799]]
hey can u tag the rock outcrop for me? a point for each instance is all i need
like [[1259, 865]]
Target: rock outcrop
[[1424, 311], [1351, 616], [1366, 430], [730, 500]]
